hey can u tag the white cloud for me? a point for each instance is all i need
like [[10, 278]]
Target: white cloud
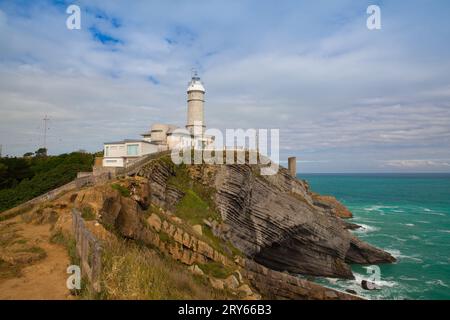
[[337, 92], [417, 164]]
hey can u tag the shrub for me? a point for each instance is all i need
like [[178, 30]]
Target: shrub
[[122, 190]]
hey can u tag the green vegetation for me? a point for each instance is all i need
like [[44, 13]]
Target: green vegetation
[[8, 270], [33, 249], [194, 209], [22, 179], [164, 237], [16, 252], [131, 271], [87, 213], [197, 204], [216, 269], [69, 243], [123, 191]]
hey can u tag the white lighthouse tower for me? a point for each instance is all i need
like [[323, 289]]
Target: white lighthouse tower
[[196, 99]]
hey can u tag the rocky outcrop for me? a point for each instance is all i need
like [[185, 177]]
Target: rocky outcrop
[[279, 285], [249, 279], [275, 221], [272, 219], [332, 205], [363, 253]]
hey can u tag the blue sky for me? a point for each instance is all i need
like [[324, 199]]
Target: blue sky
[[345, 99]]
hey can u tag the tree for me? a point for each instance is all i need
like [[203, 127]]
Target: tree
[[41, 152], [28, 154], [3, 170]]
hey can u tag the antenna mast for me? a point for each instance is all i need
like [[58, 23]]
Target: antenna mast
[[46, 119]]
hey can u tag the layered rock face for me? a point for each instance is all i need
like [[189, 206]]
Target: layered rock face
[[274, 220]]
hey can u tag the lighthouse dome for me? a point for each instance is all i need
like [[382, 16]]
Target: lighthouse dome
[[195, 84]]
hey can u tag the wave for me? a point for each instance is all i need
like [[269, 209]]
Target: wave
[[436, 214], [379, 207], [393, 237], [408, 279], [364, 228], [380, 283], [409, 224], [432, 212], [399, 256], [437, 282]]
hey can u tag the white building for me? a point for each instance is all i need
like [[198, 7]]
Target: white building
[[164, 136], [122, 153]]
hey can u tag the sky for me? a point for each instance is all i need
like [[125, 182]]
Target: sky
[[345, 98]]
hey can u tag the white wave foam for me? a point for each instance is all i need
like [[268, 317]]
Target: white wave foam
[[409, 224], [366, 229], [379, 207], [436, 214], [408, 279], [399, 256], [379, 283], [437, 282], [394, 252], [393, 237]]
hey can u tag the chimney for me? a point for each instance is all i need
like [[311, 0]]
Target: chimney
[[292, 166]]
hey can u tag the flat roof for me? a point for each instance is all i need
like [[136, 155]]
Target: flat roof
[[128, 141]]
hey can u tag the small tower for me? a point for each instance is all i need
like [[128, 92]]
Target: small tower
[[196, 99]]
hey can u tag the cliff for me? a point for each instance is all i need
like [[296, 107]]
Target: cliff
[[247, 235], [273, 220]]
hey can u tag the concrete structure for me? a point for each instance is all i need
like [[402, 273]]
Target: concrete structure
[[196, 99], [162, 136], [122, 153], [292, 166]]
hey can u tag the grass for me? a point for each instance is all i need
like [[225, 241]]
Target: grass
[[14, 212], [194, 209], [8, 270], [34, 249], [197, 205], [216, 269], [164, 237], [122, 190], [87, 213], [135, 272], [68, 242], [13, 245]]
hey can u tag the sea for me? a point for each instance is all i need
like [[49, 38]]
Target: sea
[[407, 215]]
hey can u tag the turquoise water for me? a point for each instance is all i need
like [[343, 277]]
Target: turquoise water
[[405, 214]]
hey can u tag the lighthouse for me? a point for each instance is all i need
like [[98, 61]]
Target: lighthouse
[[195, 99]]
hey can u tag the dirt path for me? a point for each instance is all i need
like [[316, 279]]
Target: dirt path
[[43, 279]]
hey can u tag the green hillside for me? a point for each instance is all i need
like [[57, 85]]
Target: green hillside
[[22, 179]]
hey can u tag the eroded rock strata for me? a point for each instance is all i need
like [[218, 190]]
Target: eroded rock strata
[[275, 220]]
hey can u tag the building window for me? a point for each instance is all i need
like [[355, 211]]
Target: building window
[[132, 149], [107, 151]]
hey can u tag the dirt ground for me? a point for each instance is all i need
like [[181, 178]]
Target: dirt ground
[[39, 270]]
